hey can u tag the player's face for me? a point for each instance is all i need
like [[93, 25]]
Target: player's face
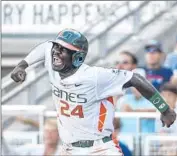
[[125, 62], [61, 58]]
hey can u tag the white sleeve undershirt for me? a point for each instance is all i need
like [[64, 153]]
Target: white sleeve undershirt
[[37, 54]]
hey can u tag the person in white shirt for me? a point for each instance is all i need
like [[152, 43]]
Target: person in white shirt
[[83, 94]]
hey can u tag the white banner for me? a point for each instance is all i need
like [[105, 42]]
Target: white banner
[[50, 16]]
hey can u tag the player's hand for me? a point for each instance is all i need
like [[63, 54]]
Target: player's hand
[[168, 117], [19, 73]]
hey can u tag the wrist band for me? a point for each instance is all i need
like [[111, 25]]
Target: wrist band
[[159, 102]]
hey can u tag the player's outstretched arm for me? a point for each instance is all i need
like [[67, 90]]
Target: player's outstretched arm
[[35, 56], [168, 116]]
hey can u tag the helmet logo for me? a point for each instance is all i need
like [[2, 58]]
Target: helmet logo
[[67, 35]]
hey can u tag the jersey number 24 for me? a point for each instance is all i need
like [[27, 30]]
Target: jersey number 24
[[77, 111]]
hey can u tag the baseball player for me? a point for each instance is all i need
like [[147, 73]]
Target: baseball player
[[83, 94]]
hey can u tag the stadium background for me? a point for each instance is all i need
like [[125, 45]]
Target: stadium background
[[110, 27]]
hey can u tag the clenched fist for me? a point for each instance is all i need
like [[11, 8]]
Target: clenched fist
[[168, 117], [19, 73]]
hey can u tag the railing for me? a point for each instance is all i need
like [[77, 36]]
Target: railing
[[152, 145], [18, 138], [6, 81], [25, 85], [138, 116], [147, 145], [16, 110], [160, 145], [141, 18], [10, 89], [104, 30]]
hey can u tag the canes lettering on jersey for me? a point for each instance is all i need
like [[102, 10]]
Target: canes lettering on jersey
[[70, 97], [65, 100]]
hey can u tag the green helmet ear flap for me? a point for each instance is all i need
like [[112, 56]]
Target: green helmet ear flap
[[78, 58]]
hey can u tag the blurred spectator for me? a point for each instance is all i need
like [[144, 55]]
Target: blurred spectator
[[173, 79], [126, 61], [50, 146], [51, 137], [169, 93], [156, 73], [171, 62], [135, 102], [117, 126]]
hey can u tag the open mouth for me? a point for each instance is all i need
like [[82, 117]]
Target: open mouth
[[57, 61]]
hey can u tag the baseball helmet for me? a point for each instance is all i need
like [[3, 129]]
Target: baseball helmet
[[74, 41]]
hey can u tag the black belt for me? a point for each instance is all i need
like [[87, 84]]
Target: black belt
[[89, 143]]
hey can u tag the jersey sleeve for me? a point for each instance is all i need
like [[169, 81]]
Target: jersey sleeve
[[37, 54], [109, 82]]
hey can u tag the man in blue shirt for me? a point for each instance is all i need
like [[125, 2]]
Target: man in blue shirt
[[155, 72]]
